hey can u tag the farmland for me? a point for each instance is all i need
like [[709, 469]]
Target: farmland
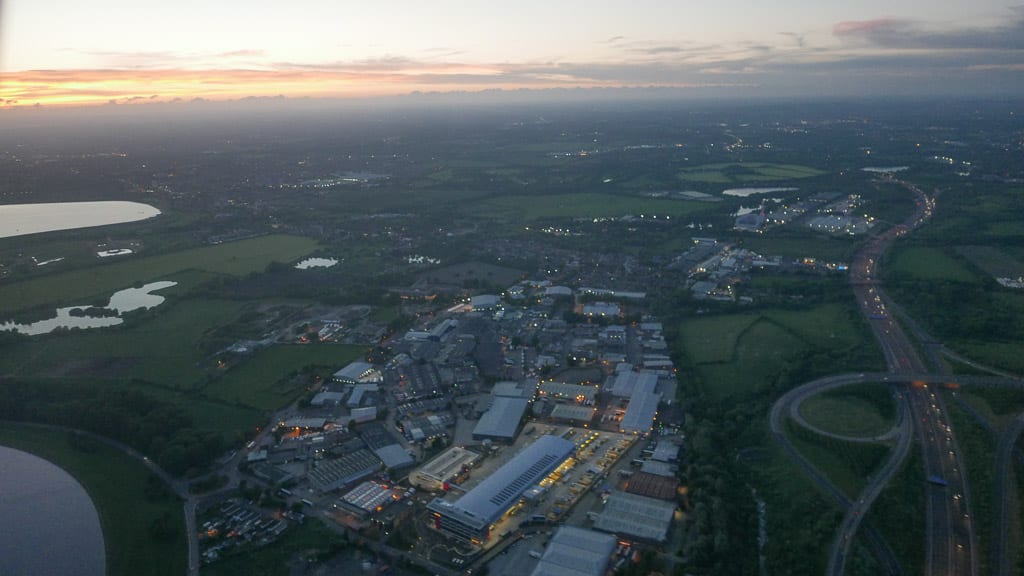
[[82, 286], [746, 173]]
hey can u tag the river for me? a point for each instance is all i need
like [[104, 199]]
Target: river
[[50, 525]]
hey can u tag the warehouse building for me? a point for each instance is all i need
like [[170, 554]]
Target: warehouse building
[[632, 516], [470, 517], [447, 467], [576, 552], [501, 421]]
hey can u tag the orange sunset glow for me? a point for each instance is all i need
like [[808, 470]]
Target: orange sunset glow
[[61, 53]]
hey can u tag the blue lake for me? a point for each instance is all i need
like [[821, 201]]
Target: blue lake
[[50, 525]]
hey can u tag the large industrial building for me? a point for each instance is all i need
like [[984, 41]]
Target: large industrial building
[[576, 552], [642, 409], [501, 421], [470, 517], [633, 516], [447, 467]]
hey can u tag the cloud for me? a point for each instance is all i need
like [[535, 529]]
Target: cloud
[[800, 40], [910, 34], [246, 53], [883, 55]]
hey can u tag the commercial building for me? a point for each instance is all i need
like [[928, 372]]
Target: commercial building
[[574, 413], [653, 485], [333, 474], [470, 517], [446, 468], [576, 552], [358, 372], [578, 393], [642, 409], [626, 381], [633, 516], [370, 497], [602, 309], [394, 457], [485, 302], [501, 421]]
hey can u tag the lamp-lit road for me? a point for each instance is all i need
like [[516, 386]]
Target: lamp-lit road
[[950, 546]]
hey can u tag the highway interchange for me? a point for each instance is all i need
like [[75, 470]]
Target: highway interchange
[[951, 547]]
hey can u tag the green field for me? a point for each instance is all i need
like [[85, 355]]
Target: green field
[[527, 209], [261, 382], [117, 485], [834, 249], [736, 354], [798, 511], [746, 173], [162, 349], [929, 264], [853, 411], [846, 464], [1005, 355], [80, 286], [899, 514], [713, 339]]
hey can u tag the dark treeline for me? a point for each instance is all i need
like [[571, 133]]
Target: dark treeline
[[155, 427]]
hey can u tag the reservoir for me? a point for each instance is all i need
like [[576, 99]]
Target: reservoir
[[50, 525], [21, 219], [127, 300]]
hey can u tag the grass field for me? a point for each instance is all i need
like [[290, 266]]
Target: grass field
[[161, 349], [820, 248], [307, 540], [737, 354], [1006, 355], [846, 464], [260, 382], [798, 512], [899, 514], [992, 260], [929, 264], [828, 326], [850, 412], [713, 339], [746, 173], [116, 483], [79, 286], [527, 209]]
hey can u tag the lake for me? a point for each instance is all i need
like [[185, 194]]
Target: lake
[[316, 263], [744, 192], [21, 219], [50, 525], [121, 301]]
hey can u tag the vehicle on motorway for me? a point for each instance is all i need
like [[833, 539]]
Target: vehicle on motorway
[[937, 481]]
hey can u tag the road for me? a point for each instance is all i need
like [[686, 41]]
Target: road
[[854, 512], [949, 532], [1004, 458]]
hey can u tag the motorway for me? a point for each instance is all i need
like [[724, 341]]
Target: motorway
[[950, 546], [1004, 454], [949, 532]]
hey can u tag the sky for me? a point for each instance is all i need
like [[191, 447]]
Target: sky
[[73, 52]]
